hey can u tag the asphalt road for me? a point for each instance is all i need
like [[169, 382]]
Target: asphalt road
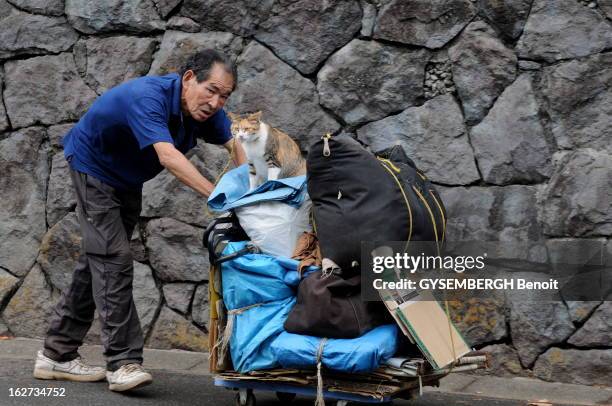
[[174, 389]]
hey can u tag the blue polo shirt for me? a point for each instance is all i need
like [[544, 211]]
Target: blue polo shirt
[[113, 140]]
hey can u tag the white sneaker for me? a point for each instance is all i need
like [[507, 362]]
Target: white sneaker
[[75, 370], [130, 376]]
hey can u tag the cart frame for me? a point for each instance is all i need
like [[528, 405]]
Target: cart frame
[[230, 230]]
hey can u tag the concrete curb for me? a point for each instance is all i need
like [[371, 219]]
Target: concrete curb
[[196, 363], [526, 389]]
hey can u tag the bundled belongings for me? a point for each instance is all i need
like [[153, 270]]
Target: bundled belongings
[[357, 197], [258, 288], [274, 215], [330, 306], [307, 251], [362, 354], [258, 295], [413, 367]]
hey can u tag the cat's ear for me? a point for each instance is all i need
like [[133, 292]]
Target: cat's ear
[[232, 116], [257, 115]]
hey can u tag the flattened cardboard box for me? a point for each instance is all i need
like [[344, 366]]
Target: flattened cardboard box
[[422, 319]]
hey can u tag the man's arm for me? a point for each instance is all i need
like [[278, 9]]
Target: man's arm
[[173, 160], [234, 147]]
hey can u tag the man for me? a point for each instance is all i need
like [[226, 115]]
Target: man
[[130, 134]]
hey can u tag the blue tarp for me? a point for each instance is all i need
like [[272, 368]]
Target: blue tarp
[[253, 333], [266, 281], [362, 354], [259, 341], [233, 191]]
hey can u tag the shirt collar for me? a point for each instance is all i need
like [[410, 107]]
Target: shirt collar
[[176, 95]]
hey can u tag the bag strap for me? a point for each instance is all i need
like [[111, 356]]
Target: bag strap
[[391, 168], [388, 165]]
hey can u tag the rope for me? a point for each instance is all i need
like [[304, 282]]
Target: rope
[[450, 330], [435, 229], [442, 214], [390, 163], [312, 219], [447, 311], [472, 359], [390, 168], [431, 216], [399, 184], [229, 328], [320, 401]]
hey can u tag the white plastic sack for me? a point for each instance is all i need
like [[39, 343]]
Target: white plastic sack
[[275, 227]]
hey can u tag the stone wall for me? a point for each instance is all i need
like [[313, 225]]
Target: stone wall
[[504, 104]]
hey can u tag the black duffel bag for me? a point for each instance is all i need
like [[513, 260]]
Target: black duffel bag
[[357, 196], [331, 306]]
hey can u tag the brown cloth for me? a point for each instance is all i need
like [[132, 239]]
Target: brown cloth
[[307, 251]]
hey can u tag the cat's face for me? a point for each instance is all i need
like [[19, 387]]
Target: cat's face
[[246, 127]]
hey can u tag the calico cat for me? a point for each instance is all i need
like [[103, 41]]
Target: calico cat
[[271, 153]]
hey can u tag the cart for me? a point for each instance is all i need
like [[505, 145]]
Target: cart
[[376, 387]]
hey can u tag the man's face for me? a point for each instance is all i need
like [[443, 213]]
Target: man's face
[[202, 100]]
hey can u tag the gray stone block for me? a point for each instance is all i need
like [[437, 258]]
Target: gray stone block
[[166, 196], [46, 7], [136, 16], [586, 367], [288, 100], [597, 330], [240, 17], [178, 296], [304, 33], [507, 15], [480, 318], [7, 284], [424, 23], [56, 133], [171, 330], [29, 34], [111, 61], [578, 99], [536, 325], [28, 312], [482, 68], [366, 80], [176, 47], [24, 168], [507, 214], [185, 24], [563, 29], [504, 361], [577, 200], [60, 193], [510, 143], [59, 251], [176, 252], [433, 135], [45, 89], [4, 123], [201, 308]]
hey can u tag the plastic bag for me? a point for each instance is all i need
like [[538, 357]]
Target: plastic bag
[[275, 227]]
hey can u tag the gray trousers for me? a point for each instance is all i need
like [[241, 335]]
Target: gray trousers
[[102, 278]]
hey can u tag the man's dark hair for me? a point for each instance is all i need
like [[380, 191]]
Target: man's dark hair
[[201, 64]]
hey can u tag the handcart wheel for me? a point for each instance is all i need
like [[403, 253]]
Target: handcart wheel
[[245, 398], [286, 397]]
